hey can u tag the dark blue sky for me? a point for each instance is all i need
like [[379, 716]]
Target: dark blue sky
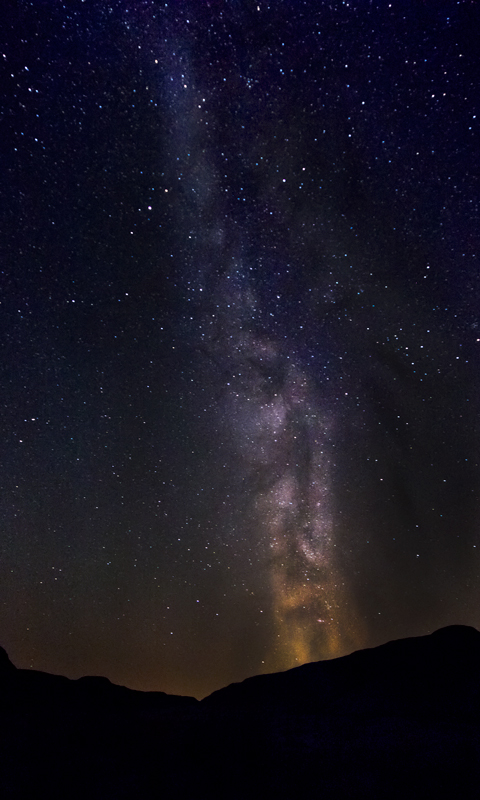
[[239, 310]]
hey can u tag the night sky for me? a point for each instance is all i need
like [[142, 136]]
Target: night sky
[[240, 333]]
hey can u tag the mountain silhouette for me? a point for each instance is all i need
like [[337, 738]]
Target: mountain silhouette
[[399, 720], [436, 674]]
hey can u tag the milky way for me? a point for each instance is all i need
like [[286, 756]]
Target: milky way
[[270, 409], [282, 436]]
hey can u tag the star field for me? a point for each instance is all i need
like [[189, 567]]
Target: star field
[[239, 309]]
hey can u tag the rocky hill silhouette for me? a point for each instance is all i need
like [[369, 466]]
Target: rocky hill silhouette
[[399, 720]]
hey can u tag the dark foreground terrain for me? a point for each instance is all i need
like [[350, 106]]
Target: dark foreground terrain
[[398, 721]]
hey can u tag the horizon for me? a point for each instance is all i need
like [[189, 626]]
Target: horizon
[[444, 630]]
